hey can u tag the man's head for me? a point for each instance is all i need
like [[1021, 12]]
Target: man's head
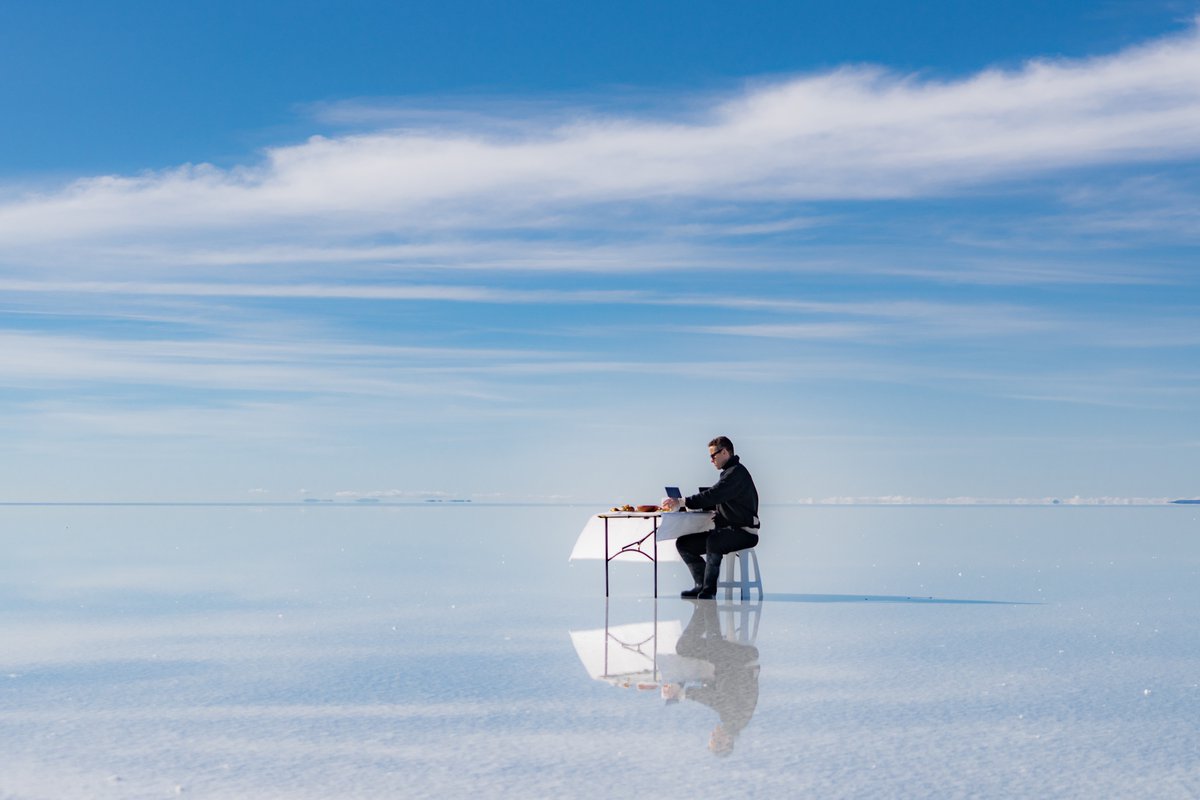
[[720, 450]]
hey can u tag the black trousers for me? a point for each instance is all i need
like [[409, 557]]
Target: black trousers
[[704, 550]]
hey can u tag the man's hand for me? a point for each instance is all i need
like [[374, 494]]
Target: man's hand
[[670, 503]]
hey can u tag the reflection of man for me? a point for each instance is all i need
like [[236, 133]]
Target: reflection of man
[[735, 520], [732, 691]]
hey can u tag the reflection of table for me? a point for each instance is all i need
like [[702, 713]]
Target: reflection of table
[[633, 536], [645, 654], [627, 655]]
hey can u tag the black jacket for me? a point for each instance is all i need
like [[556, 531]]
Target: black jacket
[[733, 496]]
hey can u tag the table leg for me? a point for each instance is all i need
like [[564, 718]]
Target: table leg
[[606, 556], [655, 559]]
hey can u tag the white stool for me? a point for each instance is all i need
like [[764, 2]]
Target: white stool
[[747, 560]]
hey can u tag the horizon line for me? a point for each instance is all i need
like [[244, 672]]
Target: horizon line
[[1119, 502]]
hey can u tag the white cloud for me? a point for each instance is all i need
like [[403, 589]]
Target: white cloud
[[915, 320], [851, 133], [328, 291], [798, 330], [295, 366], [901, 320]]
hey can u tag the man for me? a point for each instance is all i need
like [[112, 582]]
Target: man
[[735, 501]]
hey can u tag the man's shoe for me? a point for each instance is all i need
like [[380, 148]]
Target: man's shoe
[[712, 576], [688, 594]]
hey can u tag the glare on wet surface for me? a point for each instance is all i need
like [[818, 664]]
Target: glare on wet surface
[[414, 651]]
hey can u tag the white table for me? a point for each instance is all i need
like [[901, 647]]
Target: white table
[[634, 535]]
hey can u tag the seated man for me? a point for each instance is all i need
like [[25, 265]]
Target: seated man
[[735, 522]]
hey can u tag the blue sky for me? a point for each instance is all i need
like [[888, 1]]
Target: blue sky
[[546, 251]]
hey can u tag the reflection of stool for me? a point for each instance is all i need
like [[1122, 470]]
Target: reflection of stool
[[745, 559], [743, 627]]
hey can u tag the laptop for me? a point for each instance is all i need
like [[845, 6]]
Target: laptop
[[673, 491]]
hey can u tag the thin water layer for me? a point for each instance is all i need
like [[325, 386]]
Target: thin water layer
[[417, 651]]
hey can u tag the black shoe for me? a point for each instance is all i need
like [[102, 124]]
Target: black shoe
[[712, 576], [688, 594]]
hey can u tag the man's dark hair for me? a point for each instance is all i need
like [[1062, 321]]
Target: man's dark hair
[[722, 443]]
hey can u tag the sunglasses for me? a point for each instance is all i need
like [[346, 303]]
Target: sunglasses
[[715, 453]]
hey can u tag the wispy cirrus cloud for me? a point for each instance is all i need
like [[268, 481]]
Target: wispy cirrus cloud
[[852, 133], [327, 291], [879, 321]]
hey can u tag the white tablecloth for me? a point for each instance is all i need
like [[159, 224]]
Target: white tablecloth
[[626, 529]]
